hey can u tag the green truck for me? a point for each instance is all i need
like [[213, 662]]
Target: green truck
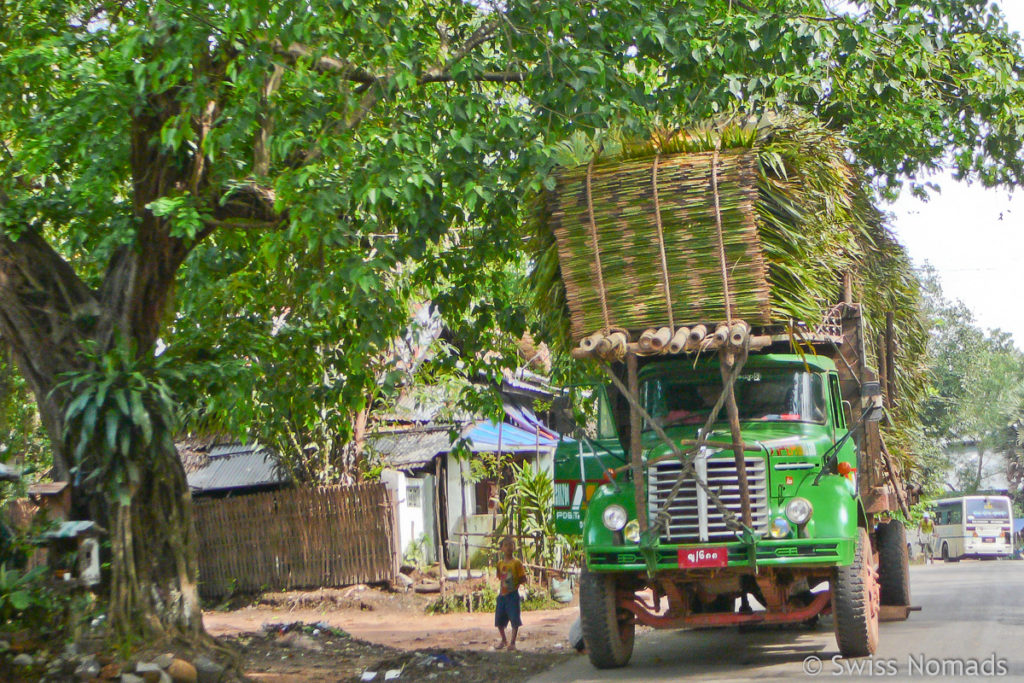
[[732, 472], [812, 528]]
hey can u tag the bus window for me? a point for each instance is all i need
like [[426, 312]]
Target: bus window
[[982, 510]]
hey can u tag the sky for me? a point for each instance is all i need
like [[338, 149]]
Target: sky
[[973, 237]]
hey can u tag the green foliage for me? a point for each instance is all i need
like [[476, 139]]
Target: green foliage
[[528, 511], [977, 397], [27, 602], [417, 551], [121, 408], [483, 600], [22, 437]]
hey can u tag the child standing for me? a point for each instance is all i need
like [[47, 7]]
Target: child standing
[[507, 611]]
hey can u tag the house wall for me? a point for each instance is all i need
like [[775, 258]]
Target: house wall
[[415, 518], [459, 487]]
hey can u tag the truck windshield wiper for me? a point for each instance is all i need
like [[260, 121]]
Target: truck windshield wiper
[[830, 460]]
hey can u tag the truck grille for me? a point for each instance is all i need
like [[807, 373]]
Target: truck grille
[[695, 519]]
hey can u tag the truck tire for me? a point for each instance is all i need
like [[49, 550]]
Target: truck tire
[[893, 563], [608, 634], [855, 602]]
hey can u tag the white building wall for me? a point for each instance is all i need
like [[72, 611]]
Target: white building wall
[[459, 486], [414, 502]]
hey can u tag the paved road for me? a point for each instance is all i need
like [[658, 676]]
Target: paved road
[[972, 621]]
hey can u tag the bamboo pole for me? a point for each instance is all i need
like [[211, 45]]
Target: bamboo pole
[[728, 362], [590, 342], [646, 339], [635, 445], [883, 370], [678, 341], [721, 335], [738, 334], [890, 355], [756, 342], [661, 338]]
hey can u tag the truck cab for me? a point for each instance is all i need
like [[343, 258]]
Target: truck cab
[[790, 409]]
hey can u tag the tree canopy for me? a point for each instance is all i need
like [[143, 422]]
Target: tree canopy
[[977, 397]]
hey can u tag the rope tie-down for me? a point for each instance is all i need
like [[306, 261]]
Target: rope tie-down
[[649, 536], [733, 339]]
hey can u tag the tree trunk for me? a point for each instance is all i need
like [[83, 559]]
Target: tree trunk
[[981, 465], [154, 574], [47, 316]]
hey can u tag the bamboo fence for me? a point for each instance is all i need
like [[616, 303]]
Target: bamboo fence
[[296, 538]]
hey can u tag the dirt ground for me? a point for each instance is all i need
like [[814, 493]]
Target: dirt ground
[[340, 635]]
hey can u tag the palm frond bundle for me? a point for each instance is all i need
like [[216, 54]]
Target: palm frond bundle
[[791, 219]]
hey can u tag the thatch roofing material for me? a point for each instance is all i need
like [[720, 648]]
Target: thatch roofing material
[[625, 215]]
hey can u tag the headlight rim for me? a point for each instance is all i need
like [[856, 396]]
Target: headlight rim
[[793, 517], [614, 509]]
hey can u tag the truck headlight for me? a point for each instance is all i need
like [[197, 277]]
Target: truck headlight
[[799, 510], [614, 517], [632, 531], [779, 528]]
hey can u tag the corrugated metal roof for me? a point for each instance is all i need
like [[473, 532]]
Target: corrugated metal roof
[[74, 530], [417, 446], [484, 438], [408, 448], [235, 466]]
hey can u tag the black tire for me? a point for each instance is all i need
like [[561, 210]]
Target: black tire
[[893, 563], [855, 602], [945, 554], [607, 631]]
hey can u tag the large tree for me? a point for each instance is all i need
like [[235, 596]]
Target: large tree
[[977, 398], [332, 142]]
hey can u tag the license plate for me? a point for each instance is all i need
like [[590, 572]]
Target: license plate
[[703, 557], [988, 540]]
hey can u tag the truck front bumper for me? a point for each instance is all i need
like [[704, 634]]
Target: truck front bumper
[[769, 553]]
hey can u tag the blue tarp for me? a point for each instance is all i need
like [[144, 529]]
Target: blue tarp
[[483, 438]]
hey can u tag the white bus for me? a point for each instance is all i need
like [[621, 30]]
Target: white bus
[[974, 526]]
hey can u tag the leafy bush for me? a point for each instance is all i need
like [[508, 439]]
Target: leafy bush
[[26, 602], [416, 552], [528, 511]]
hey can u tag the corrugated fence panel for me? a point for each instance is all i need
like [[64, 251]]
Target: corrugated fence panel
[[296, 538]]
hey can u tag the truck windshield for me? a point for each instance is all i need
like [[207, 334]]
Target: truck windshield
[[763, 395]]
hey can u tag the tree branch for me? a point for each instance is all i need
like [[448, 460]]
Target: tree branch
[[347, 71], [261, 160]]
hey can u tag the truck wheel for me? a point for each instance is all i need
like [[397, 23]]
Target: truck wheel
[[893, 563], [607, 632], [855, 602]]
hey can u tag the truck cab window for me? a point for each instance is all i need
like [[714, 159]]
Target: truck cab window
[[776, 395]]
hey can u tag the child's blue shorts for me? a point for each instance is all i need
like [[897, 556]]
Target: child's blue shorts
[[507, 611]]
